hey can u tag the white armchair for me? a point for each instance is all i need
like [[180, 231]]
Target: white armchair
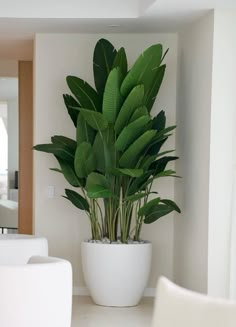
[[178, 307], [37, 294], [18, 248]]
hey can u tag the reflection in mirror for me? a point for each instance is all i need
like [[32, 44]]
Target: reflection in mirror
[[9, 156]]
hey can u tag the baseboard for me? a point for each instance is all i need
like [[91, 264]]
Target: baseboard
[[83, 291], [149, 292]]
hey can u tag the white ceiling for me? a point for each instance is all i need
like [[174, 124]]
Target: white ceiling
[[20, 20], [8, 88]]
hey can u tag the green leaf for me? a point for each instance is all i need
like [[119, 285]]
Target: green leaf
[[61, 151], [139, 112], [98, 149], [171, 204], [165, 173], [131, 155], [72, 107], [68, 171], [84, 133], [143, 70], [112, 98], [133, 101], [136, 197], [99, 191], [95, 119], [157, 212], [84, 160], [153, 90], [96, 179], [159, 122], [146, 161], [121, 61], [156, 147], [126, 171], [160, 136], [64, 141], [159, 165], [103, 58], [146, 208], [131, 132], [77, 200], [139, 183], [84, 93]]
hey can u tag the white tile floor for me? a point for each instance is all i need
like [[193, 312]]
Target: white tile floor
[[87, 314]]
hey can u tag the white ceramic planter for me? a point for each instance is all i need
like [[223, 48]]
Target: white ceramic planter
[[116, 274]]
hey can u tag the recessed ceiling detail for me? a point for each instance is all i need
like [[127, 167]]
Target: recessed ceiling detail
[[74, 8]]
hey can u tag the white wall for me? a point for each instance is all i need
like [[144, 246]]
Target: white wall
[[205, 235], [13, 140], [222, 152], [57, 56], [192, 145]]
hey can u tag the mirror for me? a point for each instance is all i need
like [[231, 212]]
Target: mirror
[[9, 157]]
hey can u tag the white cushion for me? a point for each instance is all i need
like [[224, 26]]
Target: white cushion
[[178, 307], [38, 294]]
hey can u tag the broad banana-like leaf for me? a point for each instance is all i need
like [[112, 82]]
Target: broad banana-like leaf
[[99, 191], [133, 101], [131, 132], [159, 165], [156, 147], [143, 70], [171, 204], [157, 212], [112, 98], [159, 122], [165, 173], [131, 155], [62, 151], [146, 208], [136, 197], [84, 160], [121, 61], [151, 94], [96, 179], [161, 154], [68, 171], [84, 132], [146, 161], [126, 171], [139, 112], [98, 149], [84, 93], [103, 58], [160, 136], [77, 200], [95, 119], [72, 107], [139, 183], [64, 141]]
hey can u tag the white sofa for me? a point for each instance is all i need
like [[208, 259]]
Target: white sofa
[[37, 294], [178, 307], [18, 248]]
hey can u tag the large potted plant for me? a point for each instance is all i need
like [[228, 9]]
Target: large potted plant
[[113, 161]]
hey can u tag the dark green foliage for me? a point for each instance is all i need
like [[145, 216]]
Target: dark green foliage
[[117, 154]]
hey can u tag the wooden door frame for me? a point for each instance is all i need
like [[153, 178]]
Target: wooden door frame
[[25, 211]]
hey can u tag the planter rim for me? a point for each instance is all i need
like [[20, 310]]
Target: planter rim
[[147, 243]]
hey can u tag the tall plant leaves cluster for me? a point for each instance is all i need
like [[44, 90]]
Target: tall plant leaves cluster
[[117, 151]]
